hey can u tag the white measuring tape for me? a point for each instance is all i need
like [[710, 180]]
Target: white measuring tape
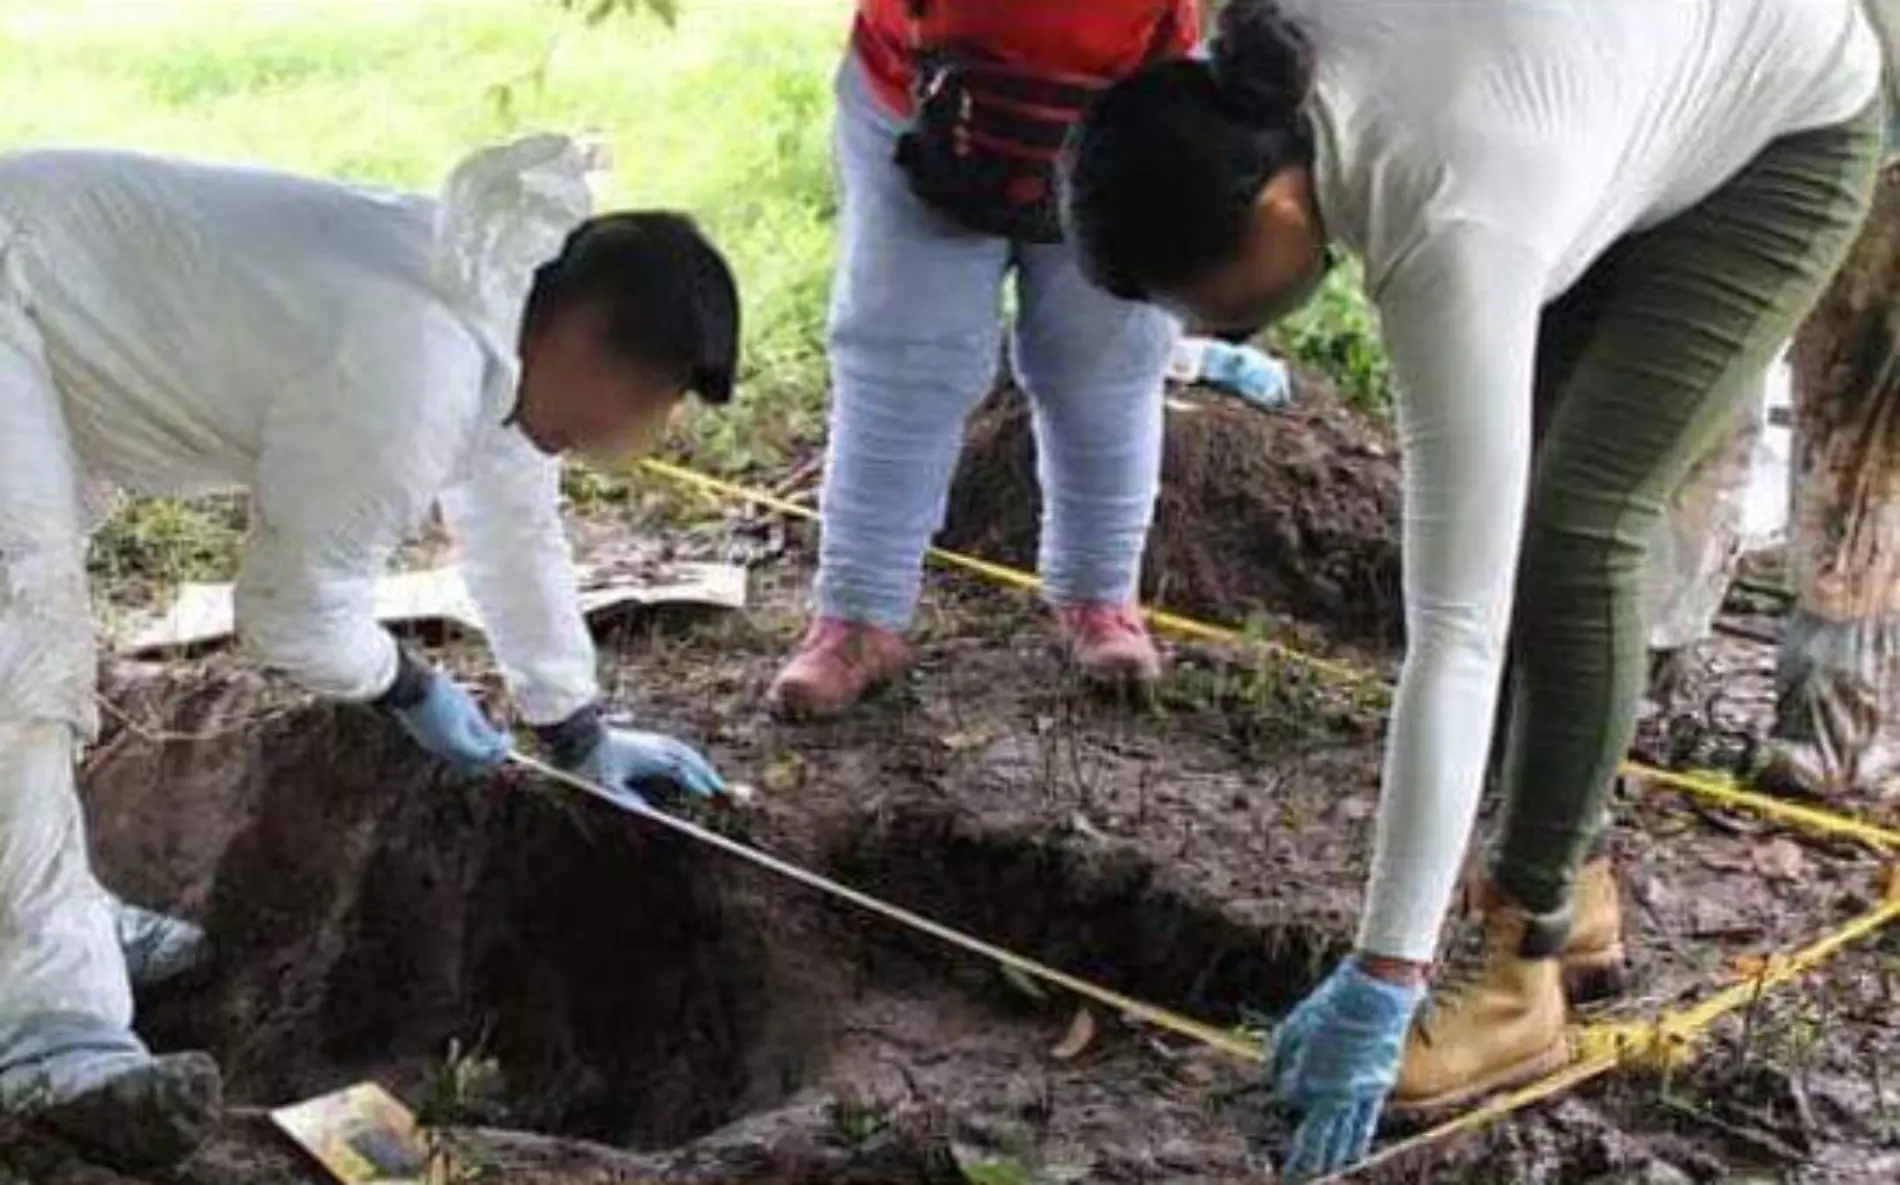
[[1224, 1040]]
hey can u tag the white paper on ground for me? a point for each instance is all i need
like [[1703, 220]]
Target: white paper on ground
[[202, 613]]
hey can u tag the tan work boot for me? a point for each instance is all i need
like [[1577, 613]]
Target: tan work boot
[[838, 664], [1110, 643], [1503, 1028], [1594, 961]]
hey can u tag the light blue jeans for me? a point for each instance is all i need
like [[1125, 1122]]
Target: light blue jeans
[[915, 335]]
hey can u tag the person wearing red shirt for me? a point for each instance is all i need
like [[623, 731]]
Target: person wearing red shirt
[[949, 116]]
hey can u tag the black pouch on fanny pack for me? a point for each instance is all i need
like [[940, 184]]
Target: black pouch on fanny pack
[[984, 136]]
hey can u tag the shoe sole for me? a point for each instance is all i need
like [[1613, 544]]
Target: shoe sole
[[1538, 1065], [1602, 976], [792, 709], [1132, 690], [789, 711], [150, 1124], [1122, 676]]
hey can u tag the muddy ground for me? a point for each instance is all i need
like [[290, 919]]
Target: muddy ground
[[653, 1010]]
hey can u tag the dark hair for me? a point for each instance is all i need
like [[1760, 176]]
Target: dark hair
[[667, 295], [1165, 166]]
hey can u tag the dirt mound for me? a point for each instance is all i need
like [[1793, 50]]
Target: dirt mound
[[1290, 513]]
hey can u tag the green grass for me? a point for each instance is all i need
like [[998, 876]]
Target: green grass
[[725, 114], [1337, 335]]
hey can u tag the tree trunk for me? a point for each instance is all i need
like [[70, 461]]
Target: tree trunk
[[1838, 683]]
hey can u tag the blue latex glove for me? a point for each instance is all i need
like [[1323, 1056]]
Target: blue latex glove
[[449, 723], [1255, 376], [624, 757], [1335, 1059]]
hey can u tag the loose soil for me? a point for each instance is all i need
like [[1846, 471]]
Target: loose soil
[[577, 996], [1292, 513], [645, 1009]]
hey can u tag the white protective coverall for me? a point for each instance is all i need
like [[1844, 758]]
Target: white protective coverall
[[347, 356]]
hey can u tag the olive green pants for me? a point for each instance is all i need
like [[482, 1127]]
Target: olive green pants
[[1640, 366]]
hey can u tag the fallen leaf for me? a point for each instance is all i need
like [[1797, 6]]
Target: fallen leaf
[[1782, 860], [1723, 861], [1022, 983], [784, 774], [1156, 1046], [958, 742], [1079, 824], [1080, 1035], [1355, 808], [980, 1168]]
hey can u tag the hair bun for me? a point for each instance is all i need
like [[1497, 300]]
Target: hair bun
[[1262, 62]]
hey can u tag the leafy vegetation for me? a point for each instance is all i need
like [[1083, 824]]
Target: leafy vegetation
[[1338, 336], [723, 112], [721, 109]]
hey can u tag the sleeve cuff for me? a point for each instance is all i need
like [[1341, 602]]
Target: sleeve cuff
[[569, 742], [410, 686]]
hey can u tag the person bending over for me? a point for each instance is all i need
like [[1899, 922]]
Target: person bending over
[[350, 358], [1587, 228]]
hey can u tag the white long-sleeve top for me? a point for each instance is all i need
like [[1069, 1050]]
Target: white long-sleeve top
[[211, 327], [1479, 155]]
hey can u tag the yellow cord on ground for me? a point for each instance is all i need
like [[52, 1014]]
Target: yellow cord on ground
[[1206, 1034], [1805, 818], [1568, 1078], [1599, 1049], [1701, 785], [1602, 1048]]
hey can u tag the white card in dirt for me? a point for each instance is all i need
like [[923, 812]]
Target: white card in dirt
[[361, 1136], [203, 613], [199, 613], [712, 585]]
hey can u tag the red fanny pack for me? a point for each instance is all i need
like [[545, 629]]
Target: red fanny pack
[[984, 136]]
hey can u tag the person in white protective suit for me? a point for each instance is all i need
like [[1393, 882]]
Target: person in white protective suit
[[351, 358]]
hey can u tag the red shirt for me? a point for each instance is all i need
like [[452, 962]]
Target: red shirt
[[1098, 37]]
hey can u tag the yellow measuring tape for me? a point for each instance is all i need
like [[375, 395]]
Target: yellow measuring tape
[[1221, 1039], [1599, 1049], [1602, 1048], [1702, 785]]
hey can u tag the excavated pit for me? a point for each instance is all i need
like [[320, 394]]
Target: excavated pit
[[656, 1011], [665, 1004], [1111, 915], [368, 910]]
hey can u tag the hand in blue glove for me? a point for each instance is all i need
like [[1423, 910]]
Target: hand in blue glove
[[1255, 376], [622, 758], [444, 719], [1335, 1059]]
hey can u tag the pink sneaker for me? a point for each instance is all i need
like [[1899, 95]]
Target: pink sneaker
[[1110, 643], [838, 664]]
